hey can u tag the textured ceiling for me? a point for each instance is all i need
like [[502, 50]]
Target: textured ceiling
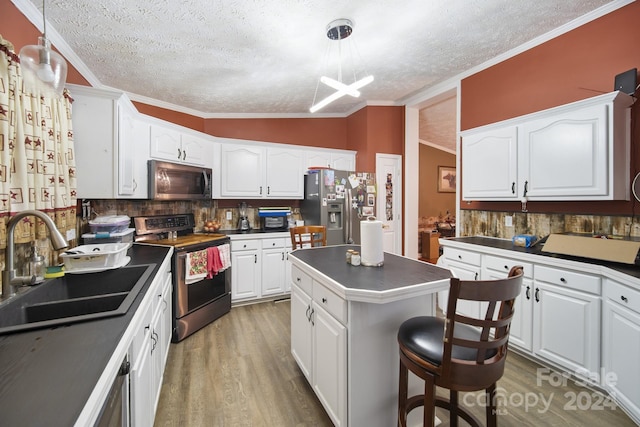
[[253, 57]]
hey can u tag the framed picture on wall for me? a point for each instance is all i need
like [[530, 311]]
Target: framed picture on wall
[[446, 179]]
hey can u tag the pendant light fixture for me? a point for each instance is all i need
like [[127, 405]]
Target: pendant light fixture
[[339, 30], [42, 67]]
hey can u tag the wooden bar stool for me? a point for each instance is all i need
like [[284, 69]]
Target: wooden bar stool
[[458, 352], [308, 236]]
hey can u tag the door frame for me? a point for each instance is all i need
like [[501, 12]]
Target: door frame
[[396, 223]]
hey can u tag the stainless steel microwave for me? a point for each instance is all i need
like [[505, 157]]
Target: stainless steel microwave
[[173, 181]]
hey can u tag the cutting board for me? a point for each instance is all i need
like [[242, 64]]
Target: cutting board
[[616, 250]]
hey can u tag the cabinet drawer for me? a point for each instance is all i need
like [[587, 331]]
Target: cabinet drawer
[[462, 256], [301, 279], [245, 245], [331, 302], [276, 242], [568, 279], [623, 295], [505, 264]]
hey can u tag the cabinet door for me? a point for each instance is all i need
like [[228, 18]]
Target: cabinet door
[[133, 153], [141, 384], [567, 327], [343, 161], [330, 364], [285, 173], [621, 346], [194, 149], [242, 172], [301, 332], [273, 269], [167, 320], [463, 272], [566, 156], [245, 275], [490, 165], [317, 159], [521, 329], [166, 143], [95, 135]]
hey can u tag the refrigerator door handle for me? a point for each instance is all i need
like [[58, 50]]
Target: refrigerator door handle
[[347, 212]]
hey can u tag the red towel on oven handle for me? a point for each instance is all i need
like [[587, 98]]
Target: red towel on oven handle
[[213, 261]]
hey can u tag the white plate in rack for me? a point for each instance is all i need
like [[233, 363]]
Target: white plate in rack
[[124, 262]]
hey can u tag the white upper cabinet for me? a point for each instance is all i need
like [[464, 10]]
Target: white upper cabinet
[[285, 173], [171, 144], [335, 159], [133, 148], [241, 171], [578, 151], [111, 143], [490, 164], [566, 156], [255, 171]]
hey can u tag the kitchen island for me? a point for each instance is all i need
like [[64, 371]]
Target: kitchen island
[[344, 323]]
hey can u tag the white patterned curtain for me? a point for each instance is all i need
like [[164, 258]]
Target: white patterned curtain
[[37, 166]]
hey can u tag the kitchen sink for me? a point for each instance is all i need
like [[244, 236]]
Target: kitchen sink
[[74, 298]]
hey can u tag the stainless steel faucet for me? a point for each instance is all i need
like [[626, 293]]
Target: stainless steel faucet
[[10, 281]]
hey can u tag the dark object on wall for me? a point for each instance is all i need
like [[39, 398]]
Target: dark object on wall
[[626, 82]]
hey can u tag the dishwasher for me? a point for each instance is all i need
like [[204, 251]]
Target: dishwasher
[[115, 411]]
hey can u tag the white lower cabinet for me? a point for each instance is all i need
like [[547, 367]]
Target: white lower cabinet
[[149, 349], [319, 342], [246, 269], [521, 330], [330, 363], [274, 265], [465, 265], [566, 318], [621, 346], [260, 267]]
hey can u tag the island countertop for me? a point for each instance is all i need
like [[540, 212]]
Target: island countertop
[[398, 278]]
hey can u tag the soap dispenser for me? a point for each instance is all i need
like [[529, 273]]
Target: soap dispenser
[[36, 265]]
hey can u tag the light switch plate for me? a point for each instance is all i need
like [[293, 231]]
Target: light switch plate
[[71, 234], [508, 221]]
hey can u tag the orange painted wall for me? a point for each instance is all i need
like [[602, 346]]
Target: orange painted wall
[[182, 119], [320, 132], [375, 130], [577, 65]]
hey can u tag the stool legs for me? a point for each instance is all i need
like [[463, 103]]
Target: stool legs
[[403, 381], [492, 416]]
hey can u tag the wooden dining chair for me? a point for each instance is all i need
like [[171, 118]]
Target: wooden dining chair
[[459, 353], [306, 236]]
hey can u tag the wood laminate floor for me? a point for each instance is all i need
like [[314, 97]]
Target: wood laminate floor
[[238, 371]]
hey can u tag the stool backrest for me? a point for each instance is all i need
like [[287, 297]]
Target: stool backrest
[[308, 236], [491, 348]]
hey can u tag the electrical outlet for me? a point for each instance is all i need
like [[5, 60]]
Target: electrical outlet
[[508, 221], [229, 216], [71, 234]]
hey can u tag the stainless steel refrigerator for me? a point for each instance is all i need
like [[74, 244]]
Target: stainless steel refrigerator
[[339, 200]]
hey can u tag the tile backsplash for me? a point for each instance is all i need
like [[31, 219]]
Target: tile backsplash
[[492, 224]]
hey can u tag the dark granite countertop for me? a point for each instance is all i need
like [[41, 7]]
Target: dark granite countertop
[[396, 277], [505, 244], [47, 375]]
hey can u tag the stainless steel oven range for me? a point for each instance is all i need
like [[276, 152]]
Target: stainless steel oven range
[[195, 304]]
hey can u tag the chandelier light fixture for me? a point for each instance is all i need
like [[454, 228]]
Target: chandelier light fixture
[[43, 67], [339, 30]]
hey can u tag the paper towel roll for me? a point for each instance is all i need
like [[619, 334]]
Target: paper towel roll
[[371, 245]]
